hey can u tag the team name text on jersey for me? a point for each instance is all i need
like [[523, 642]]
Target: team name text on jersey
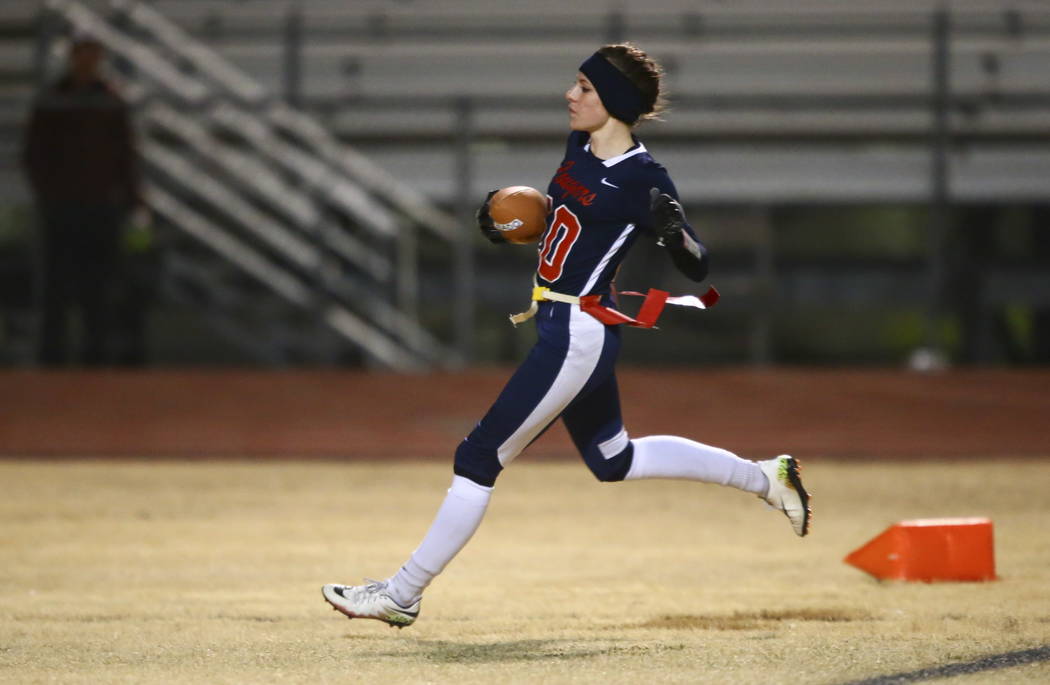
[[570, 186]]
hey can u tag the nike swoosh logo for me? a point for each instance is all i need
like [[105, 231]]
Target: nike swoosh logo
[[606, 183]]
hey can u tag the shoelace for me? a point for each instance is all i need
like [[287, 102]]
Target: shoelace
[[373, 586], [370, 591]]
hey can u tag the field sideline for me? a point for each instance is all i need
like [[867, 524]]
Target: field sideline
[[190, 572], [238, 413]]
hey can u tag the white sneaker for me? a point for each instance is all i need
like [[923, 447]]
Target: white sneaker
[[786, 491], [370, 601]]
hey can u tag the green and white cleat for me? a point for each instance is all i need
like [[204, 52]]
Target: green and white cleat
[[370, 601], [786, 492]]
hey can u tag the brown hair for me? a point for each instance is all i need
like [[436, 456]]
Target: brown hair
[[641, 70]]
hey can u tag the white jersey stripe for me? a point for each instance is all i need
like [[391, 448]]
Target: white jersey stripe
[[596, 274], [586, 340], [614, 445], [636, 150], [613, 161]]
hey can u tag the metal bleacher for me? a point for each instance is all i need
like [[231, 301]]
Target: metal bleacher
[[298, 247], [759, 88], [17, 30], [17, 27], [774, 102]]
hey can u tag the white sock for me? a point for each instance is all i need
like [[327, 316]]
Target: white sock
[[668, 456], [457, 519]]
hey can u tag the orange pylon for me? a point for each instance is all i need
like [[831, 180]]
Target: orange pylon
[[930, 550]]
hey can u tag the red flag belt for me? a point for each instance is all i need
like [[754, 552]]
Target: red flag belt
[[648, 314]]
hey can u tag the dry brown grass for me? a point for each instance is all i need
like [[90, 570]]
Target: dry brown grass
[[210, 573]]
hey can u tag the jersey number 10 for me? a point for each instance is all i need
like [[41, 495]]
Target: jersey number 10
[[562, 235]]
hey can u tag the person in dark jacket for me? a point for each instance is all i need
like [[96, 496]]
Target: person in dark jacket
[[80, 158]]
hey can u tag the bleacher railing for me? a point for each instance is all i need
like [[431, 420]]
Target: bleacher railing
[[353, 272]]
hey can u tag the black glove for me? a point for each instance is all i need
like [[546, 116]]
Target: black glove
[[485, 224], [668, 218]]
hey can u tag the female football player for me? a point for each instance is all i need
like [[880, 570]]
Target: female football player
[[607, 191]]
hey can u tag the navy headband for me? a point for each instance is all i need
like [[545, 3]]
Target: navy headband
[[621, 98]]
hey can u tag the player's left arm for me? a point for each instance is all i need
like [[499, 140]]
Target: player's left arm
[[668, 223]]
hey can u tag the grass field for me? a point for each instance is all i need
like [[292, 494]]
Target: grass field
[[204, 572]]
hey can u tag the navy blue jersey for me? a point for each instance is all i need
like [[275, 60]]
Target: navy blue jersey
[[598, 209]]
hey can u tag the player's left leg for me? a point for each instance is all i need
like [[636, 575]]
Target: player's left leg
[[778, 481], [595, 424], [670, 456], [596, 427]]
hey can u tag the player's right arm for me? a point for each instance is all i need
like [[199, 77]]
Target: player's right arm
[[485, 223]]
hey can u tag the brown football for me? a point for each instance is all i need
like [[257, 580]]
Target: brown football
[[520, 213]]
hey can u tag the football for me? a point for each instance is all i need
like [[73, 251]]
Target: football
[[520, 213]]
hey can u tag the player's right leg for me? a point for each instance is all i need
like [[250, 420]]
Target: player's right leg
[[573, 351], [370, 601], [560, 364]]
